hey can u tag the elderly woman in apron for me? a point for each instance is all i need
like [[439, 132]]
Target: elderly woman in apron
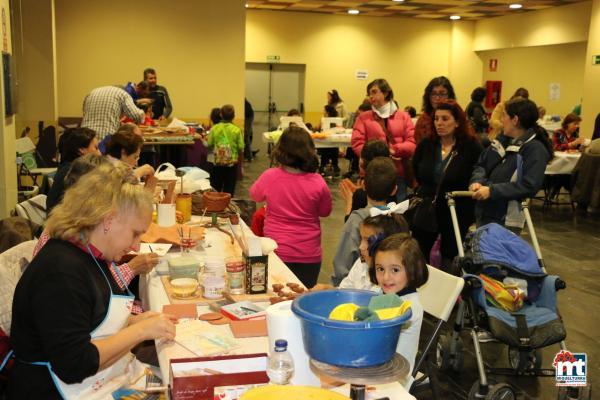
[[72, 330]]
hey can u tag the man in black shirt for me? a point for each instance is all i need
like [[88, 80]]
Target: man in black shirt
[[161, 108]]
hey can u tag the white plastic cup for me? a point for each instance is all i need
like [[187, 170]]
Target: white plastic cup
[[165, 215]]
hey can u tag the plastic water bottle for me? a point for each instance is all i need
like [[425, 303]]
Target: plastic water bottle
[[281, 366]]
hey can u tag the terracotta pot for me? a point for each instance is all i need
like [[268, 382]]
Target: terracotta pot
[[215, 201]]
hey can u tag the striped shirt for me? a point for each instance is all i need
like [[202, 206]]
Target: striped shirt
[[103, 108]]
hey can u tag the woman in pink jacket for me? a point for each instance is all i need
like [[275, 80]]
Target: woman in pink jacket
[[387, 123]]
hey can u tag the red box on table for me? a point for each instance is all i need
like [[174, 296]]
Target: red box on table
[[201, 387]]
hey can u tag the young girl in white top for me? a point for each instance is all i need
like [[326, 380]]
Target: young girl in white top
[[398, 266], [385, 224]]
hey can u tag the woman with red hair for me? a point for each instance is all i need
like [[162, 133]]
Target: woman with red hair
[[442, 163]]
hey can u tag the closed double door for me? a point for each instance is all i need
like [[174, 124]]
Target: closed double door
[[273, 90]]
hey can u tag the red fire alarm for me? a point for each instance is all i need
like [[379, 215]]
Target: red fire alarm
[[493, 64]]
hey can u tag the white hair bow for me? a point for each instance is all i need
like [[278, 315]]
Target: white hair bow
[[391, 208]]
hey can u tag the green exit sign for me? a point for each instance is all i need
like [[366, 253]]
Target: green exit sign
[[596, 59], [273, 59]]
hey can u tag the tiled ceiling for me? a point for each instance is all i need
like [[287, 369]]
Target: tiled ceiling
[[430, 9]]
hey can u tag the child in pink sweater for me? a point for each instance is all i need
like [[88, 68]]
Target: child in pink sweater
[[296, 197]]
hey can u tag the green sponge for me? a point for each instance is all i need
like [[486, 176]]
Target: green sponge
[[385, 301], [365, 314]]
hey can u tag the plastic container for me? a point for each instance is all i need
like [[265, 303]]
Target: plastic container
[[213, 278], [341, 343], [183, 267], [280, 368]]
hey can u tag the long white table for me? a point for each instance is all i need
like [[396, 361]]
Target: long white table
[[551, 126], [562, 163], [331, 140], [217, 244], [154, 297]]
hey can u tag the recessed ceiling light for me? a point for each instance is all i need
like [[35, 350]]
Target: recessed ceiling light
[[515, 6], [353, 12], [455, 17], [246, 5], [399, 1]]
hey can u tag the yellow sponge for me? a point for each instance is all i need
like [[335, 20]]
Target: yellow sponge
[[393, 312], [344, 312]]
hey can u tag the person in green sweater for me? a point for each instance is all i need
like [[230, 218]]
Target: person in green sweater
[[227, 142]]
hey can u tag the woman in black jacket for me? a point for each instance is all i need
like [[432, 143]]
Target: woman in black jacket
[[443, 163]]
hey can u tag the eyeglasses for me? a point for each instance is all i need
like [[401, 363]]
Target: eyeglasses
[[439, 94]]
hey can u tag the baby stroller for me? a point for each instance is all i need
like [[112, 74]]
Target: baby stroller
[[537, 324]]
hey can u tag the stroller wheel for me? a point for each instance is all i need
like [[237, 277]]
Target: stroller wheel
[[524, 361], [496, 391], [575, 393], [449, 358]]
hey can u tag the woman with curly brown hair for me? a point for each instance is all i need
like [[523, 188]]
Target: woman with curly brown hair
[[443, 163]]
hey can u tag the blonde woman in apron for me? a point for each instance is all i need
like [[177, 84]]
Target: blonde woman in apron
[[72, 330]]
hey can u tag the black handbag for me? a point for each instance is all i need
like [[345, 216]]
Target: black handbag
[[421, 214]]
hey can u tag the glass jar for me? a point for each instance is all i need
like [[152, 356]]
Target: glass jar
[[213, 278], [235, 267]]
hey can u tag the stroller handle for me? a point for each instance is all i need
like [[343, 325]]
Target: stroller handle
[[459, 193], [450, 196]]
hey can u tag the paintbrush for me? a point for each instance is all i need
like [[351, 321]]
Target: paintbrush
[[237, 238], [245, 247]]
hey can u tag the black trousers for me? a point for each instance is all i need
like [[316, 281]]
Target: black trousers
[[223, 179], [308, 273], [248, 138], [329, 154], [353, 159]]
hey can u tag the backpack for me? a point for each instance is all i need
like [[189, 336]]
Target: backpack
[[224, 152]]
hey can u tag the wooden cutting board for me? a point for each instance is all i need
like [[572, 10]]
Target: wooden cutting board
[[198, 299]]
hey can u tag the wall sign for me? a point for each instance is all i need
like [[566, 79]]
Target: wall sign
[[273, 59], [362, 74], [596, 59], [493, 64], [554, 94]]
